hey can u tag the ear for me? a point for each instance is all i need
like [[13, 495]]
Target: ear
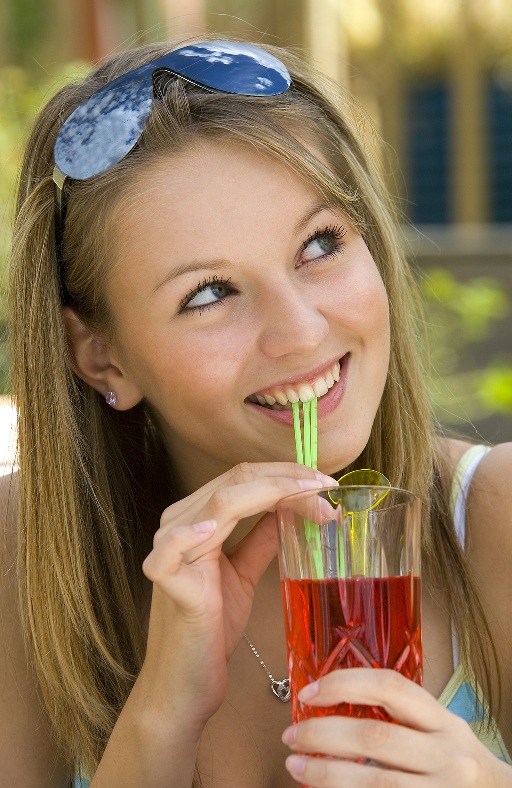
[[94, 363]]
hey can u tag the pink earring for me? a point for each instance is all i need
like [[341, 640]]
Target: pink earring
[[111, 399]]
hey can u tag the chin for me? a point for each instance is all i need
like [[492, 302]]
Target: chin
[[335, 464]]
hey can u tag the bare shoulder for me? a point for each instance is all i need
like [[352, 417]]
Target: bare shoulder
[[489, 513], [450, 451], [491, 492], [489, 530], [489, 523], [29, 756]]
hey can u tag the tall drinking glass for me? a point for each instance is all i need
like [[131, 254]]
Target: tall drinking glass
[[350, 575]]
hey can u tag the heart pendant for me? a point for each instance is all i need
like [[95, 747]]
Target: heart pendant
[[281, 689]]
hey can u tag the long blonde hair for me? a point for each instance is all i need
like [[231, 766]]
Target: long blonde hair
[[91, 478]]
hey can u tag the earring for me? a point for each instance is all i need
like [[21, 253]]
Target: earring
[[111, 399]]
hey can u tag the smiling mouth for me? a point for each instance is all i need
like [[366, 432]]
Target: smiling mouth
[[283, 398]]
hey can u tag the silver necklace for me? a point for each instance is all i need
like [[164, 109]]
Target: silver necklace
[[281, 689]]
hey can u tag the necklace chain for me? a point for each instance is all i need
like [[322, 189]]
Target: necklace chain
[[280, 688]]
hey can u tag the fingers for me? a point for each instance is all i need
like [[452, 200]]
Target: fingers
[[164, 565], [326, 773], [405, 701], [348, 737], [243, 474], [252, 555], [432, 746], [229, 503]]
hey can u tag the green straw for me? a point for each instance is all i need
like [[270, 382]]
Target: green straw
[[306, 409], [314, 438], [298, 436], [307, 454]]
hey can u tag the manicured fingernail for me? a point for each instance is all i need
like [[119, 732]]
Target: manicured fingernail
[[296, 764], [289, 735], [308, 692], [310, 484], [205, 526]]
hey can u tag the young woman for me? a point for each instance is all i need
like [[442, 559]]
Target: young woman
[[197, 237]]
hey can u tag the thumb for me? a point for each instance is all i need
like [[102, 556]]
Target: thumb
[[252, 555]]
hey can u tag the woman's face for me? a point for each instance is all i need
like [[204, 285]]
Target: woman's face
[[232, 280]]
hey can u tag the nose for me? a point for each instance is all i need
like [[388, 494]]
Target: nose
[[290, 323]]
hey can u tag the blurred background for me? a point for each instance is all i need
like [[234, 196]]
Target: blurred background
[[435, 76]]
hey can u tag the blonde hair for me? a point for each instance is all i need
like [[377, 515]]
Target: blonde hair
[[91, 487]]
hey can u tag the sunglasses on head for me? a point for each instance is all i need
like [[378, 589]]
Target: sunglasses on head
[[107, 125]]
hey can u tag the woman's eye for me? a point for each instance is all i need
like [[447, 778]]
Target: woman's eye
[[319, 247], [323, 244], [207, 294]]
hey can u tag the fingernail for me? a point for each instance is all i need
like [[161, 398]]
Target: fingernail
[[310, 484], [308, 692], [289, 735], [327, 481], [205, 526], [296, 764]]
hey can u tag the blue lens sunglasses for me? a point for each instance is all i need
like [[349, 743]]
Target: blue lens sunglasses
[[107, 125]]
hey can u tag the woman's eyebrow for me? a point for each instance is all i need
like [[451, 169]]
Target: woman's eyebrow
[[187, 268], [215, 265], [317, 207]]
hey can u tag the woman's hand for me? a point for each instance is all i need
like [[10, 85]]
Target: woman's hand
[[431, 746], [201, 596]]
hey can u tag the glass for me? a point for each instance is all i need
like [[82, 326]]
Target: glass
[[349, 561]]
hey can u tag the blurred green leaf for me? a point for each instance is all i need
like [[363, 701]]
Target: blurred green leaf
[[461, 316]]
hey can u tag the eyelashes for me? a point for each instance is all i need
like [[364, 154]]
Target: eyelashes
[[328, 241], [213, 283]]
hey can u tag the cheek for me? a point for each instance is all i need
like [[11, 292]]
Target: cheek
[[194, 370], [362, 302]]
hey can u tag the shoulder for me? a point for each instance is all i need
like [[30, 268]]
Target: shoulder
[[489, 510], [489, 519], [489, 513], [491, 492], [449, 453]]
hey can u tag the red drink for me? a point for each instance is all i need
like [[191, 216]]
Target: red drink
[[356, 622]]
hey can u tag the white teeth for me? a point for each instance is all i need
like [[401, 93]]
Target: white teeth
[[306, 393], [292, 395], [281, 397], [320, 387]]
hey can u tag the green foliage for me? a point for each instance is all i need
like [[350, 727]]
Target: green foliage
[[27, 22], [470, 381]]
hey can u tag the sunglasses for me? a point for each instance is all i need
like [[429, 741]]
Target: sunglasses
[[107, 125]]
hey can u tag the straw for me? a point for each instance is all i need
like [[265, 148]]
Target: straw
[[298, 436], [306, 446]]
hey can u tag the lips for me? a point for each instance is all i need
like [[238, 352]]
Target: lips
[[326, 402], [282, 395]]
